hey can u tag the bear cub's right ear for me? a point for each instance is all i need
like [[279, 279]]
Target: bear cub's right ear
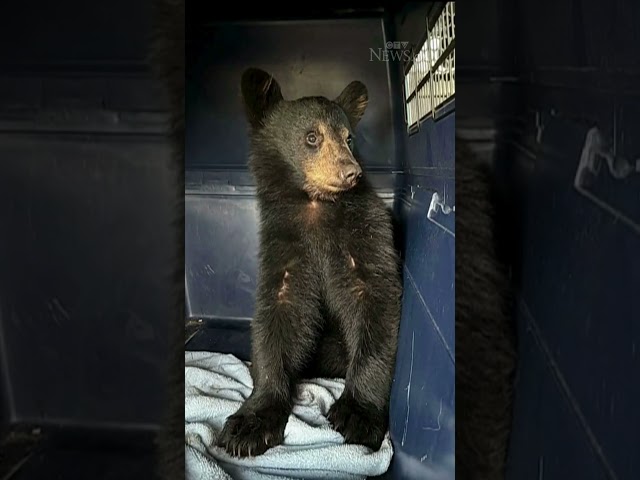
[[260, 93]]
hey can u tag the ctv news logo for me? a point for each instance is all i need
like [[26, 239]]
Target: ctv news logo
[[394, 51]]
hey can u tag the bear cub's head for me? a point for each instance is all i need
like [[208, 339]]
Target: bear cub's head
[[313, 135]]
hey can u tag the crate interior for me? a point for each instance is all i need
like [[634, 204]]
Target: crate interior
[[409, 158]]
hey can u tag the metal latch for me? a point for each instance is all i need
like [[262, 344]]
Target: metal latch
[[438, 201], [594, 155], [438, 204], [594, 152]]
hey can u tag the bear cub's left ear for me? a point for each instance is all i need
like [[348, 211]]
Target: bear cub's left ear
[[260, 92], [353, 100]]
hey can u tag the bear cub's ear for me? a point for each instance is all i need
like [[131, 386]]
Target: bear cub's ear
[[353, 100], [260, 92]]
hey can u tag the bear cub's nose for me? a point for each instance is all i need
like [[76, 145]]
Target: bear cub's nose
[[351, 174]]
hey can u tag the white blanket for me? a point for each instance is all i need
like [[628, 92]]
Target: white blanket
[[215, 387]]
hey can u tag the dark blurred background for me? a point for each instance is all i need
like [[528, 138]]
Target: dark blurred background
[[86, 242], [533, 80]]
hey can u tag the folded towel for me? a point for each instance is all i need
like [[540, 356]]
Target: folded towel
[[215, 387]]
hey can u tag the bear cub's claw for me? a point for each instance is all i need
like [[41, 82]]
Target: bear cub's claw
[[249, 433], [356, 423]]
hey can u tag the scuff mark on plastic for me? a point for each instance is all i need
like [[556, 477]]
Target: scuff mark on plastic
[[56, 303], [612, 406], [406, 420], [209, 270], [56, 310], [541, 468], [439, 427]]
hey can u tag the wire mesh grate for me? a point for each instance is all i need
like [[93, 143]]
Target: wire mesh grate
[[430, 82]]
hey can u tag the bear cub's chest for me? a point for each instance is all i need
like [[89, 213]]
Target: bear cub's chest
[[327, 220]]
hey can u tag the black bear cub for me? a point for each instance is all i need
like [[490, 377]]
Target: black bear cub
[[329, 289]]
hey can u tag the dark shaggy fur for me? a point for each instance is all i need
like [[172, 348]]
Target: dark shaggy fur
[[485, 345], [328, 299], [167, 59]]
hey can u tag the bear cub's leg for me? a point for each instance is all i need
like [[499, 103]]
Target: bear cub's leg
[[284, 331], [369, 313]]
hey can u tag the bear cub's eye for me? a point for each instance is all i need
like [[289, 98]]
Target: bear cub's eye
[[312, 138], [350, 142]]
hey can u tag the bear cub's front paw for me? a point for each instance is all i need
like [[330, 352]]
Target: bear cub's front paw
[[356, 423], [249, 433]]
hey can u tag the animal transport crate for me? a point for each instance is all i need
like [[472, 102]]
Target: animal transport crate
[[405, 55]]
